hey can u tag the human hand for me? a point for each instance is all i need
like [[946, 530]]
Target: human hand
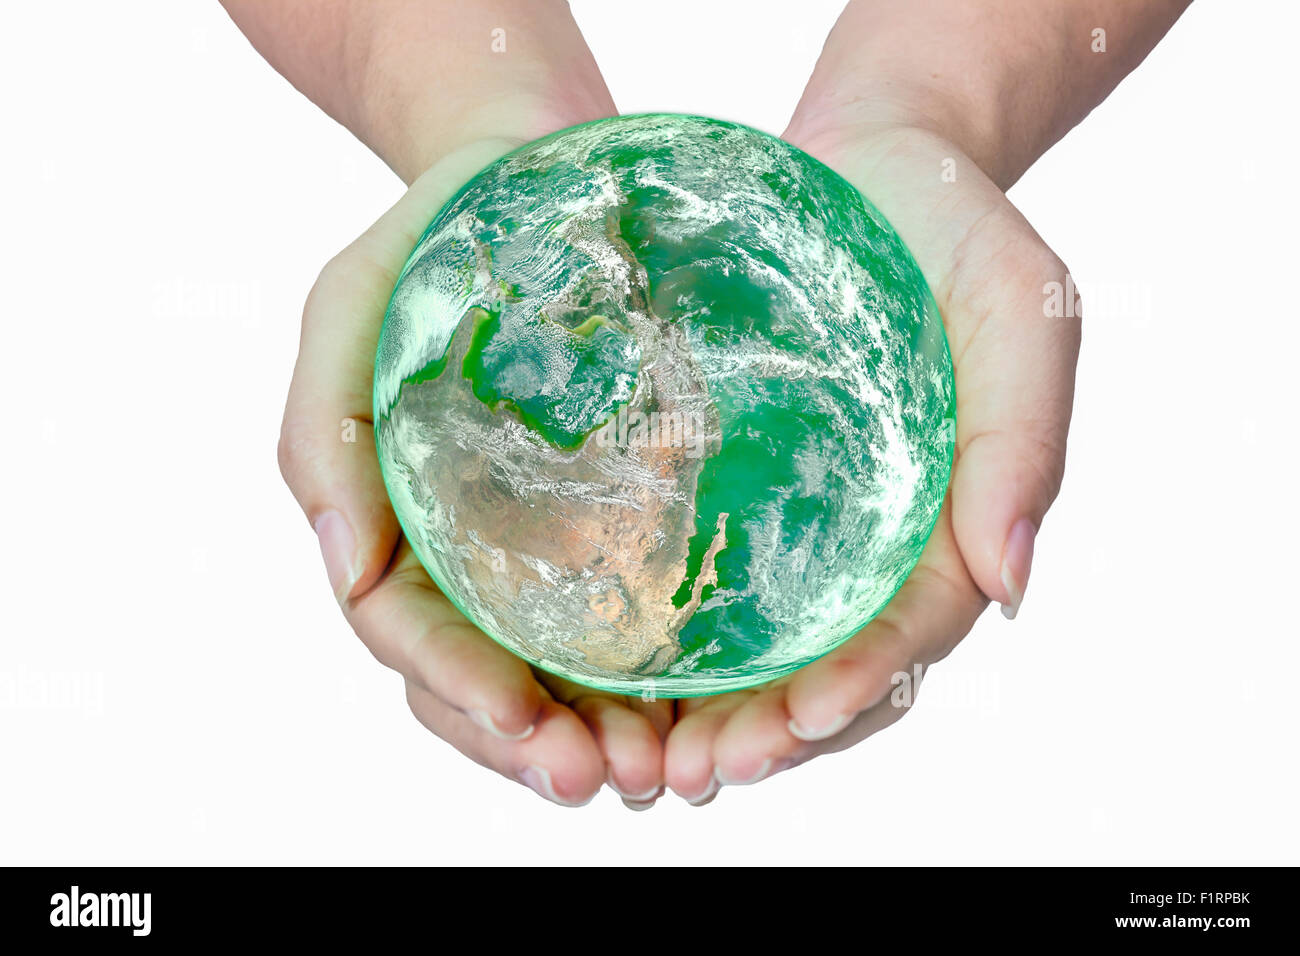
[[1014, 373], [433, 85], [561, 739], [932, 109]]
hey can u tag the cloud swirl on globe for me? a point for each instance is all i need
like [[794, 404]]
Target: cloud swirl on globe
[[664, 405]]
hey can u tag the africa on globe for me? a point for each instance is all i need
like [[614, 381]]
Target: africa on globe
[[664, 405]]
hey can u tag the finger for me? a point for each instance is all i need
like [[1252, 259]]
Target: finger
[[629, 731], [660, 713], [630, 744], [936, 606], [410, 626], [689, 705], [688, 752], [560, 762], [327, 450], [1015, 391], [869, 722], [756, 742]]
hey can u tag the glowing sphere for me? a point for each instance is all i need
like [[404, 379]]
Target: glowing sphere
[[664, 405]]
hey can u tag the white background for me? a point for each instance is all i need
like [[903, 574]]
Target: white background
[[177, 685]]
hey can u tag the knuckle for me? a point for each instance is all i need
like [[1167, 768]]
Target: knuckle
[[319, 292], [292, 450], [1048, 468]]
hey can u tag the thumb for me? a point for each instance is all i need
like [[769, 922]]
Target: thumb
[[327, 450], [1015, 390]]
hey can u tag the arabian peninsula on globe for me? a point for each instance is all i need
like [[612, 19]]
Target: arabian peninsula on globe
[[664, 405]]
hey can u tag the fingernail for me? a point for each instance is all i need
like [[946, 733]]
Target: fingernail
[[709, 793], [538, 779], [649, 796], [820, 733], [484, 720], [639, 805], [1017, 556], [764, 769], [338, 546]]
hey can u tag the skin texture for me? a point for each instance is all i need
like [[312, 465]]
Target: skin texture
[[902, 94]]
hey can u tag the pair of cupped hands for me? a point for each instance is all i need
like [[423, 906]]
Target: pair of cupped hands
[[1014, 368]]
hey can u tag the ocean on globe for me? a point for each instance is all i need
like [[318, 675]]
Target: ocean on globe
[[664, 405]]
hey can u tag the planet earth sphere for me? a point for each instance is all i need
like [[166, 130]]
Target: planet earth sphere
[[664, 405]]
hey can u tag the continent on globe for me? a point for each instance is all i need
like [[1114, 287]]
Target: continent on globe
[[664, 404]]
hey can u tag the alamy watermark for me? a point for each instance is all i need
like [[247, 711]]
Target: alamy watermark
[[128, 910], [655, 430], [980, 692], [52, 690], [1129, 301]]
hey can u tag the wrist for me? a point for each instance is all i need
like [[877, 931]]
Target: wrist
[[498, 70], [1001, 81], [416, 79]]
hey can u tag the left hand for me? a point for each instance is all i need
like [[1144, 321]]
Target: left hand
[[1014, 369]]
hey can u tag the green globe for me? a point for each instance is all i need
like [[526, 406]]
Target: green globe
[[664, 405]]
